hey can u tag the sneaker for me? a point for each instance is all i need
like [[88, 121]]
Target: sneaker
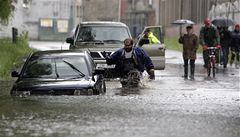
[[225, 66]]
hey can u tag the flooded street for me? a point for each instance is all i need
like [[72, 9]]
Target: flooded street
[[145, 34], [168, 106]]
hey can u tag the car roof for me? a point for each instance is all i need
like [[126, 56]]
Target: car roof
[[59, 53], [103, 23]]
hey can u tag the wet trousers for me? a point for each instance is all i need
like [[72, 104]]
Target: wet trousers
[[224, 58], [192, 67]]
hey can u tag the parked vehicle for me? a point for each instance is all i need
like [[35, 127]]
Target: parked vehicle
[[59, 72], [98, 36], [155, 51]]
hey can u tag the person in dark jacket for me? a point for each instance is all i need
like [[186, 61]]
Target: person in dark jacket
[[190, 46], [225, 40], [129, 58], [209, 37], [235, 45]]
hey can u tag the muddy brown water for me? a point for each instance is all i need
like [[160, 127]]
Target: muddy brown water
[[168, 106]]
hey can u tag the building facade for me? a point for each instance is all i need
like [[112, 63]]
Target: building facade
[[44, 19], [137, 14], [100, 10]]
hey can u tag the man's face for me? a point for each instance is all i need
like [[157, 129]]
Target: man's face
[[146, 34], [237, 28], [189, 31], [208, 25], [127, 46]]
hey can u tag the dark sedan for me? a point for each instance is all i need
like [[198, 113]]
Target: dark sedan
[[59, 72]]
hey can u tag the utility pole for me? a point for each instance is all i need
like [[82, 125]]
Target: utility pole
[[181, 16], [233, 10], [215, 9], [119, 9]]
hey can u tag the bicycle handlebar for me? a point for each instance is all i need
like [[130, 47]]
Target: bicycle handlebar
[[212, 48]]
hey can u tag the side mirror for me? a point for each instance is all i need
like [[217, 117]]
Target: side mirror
[[15, 74], [143, 41], [69, 40]]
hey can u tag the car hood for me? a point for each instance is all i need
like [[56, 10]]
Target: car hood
[[99, 46], [52, 84]]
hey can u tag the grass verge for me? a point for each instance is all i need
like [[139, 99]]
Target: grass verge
[[172, 44], [11, 55]]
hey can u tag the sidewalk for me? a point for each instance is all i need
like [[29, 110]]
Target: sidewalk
[[49, 45], [175, 57]]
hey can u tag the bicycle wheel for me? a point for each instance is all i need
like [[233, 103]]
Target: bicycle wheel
[[214, 71], [209, 68], [213, 67]]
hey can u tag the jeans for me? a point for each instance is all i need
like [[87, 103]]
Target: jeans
[[224, 58]]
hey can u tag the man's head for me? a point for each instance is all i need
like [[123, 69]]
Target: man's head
[[189, 29], [207, 22], [146, 32], [237, 27], [128, 44]]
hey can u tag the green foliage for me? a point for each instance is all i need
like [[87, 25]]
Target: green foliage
[[11, 54], [5, 10], [172, 44]]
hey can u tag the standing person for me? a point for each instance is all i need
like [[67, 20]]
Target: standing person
[[129, 58], [225, 40], [209, 37], [235, 45], [190, 46], [152, 39]]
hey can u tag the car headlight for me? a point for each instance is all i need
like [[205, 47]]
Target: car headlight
[[20, 93], [83, 92]]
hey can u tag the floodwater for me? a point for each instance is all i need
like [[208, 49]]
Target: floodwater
[[167, 107]]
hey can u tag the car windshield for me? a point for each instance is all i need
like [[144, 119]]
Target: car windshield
[[102, 34], [64, 67]]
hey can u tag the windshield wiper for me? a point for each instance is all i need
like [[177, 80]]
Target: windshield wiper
[[95, 41], [56, 69], [113, 40], [74, 68]]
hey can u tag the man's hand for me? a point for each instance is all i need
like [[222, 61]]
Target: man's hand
[[205, 47], [104, 54], [151, 74], [218, 46]]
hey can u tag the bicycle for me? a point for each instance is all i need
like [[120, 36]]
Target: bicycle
[[212, 61]]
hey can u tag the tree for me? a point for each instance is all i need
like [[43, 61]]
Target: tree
[[6, 9]]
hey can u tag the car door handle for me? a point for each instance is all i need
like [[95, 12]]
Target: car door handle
[[161, 48]]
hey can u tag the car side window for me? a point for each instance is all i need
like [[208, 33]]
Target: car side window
[[39, 68]]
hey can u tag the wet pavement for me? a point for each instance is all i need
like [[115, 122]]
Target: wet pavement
[[166, 107]]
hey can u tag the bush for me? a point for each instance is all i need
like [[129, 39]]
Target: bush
[[11, 54]]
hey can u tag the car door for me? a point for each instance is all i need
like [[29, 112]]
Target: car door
[[155, 51]]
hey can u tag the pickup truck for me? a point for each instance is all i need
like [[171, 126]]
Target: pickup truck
[[99, 36]]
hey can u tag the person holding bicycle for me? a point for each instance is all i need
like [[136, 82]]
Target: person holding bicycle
[[190, 46], [209, 37]]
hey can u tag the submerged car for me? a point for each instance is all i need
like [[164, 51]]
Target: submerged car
[[59, 72]]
